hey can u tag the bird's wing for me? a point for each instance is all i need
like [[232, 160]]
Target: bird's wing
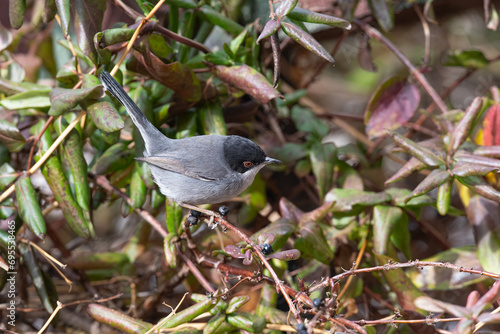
[[190, 169]]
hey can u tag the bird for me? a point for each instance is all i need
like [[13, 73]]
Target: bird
[[204, 169]]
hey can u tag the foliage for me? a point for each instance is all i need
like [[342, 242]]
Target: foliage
[[67, 152]]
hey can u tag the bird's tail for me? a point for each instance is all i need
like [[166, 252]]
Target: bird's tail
[[149, 132]]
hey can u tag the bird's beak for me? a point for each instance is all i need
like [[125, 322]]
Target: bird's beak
[[271, 161]]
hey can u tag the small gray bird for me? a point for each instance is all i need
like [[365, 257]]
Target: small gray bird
[[197, 170]]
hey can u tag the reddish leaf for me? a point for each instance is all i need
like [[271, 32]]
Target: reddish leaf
[[365, 59], [419, 151], [285, 7], [411, 166], [275, 45], [248, 80], [175, 76], [491, 125], [436, 178], [89, 15], [464, 169], [462, 156], [464, 126], [270, 28], [478, 185], [488, 151], [306, 40], [391, 106]]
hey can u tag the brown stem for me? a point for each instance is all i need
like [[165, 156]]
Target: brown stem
[[374, 33], [104, 182]]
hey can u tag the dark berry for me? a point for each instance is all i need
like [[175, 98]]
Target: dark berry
[[317, 302], [223, 210], [301, 329], [196, 214], [192, 220], [266, 249]]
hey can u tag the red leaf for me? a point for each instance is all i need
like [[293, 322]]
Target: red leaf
[[391, 106], [491, 124]]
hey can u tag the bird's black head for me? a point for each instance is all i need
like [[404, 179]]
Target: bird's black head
[[242, 154]]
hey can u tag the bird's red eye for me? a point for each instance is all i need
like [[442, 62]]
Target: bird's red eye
[[248, 164]]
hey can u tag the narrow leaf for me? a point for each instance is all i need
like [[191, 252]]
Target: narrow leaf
[[411, 166], [117, 320], [436, 178], [323, 158], [306, 40], [464, 169], [275, 45], [444, 197], [116, 157], [478, 185], [188, 314], [29, 210], [64, 15], [465, 157], [305, 15], [270, 28], [464, 127], [384, 219], [216, 18], [88, 22], [382, 13], [418, 151], [17, 9], [472, 59], [212, 117], [312, 243], [11, 137], [27, 99], [138, 190]]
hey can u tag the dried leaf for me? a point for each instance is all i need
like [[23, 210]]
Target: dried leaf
[[391, 106]]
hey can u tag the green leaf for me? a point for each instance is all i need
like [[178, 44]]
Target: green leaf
[[346, 199], [444, 197], [186, 4], [64, 15], [138, 190], [212, 117], [290, 152], [29, 210], [312, 243], [306, 121], [104, 115], [390, 223], [174, 217], [305, 15], [36, 275], [216, 18], [17, 9], [235, 44], [7, 175], [11, 137], [27, 99], [248, 80], [473, 59], [72, 153], [391, 106], [236, 302], [188, 314], [404, 288], [247, 322], [382, 13], [117, 157], [91, 261], [306, 40], [282, 229], [118, 320], [88, 21], [323, 157], [63, 99]]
